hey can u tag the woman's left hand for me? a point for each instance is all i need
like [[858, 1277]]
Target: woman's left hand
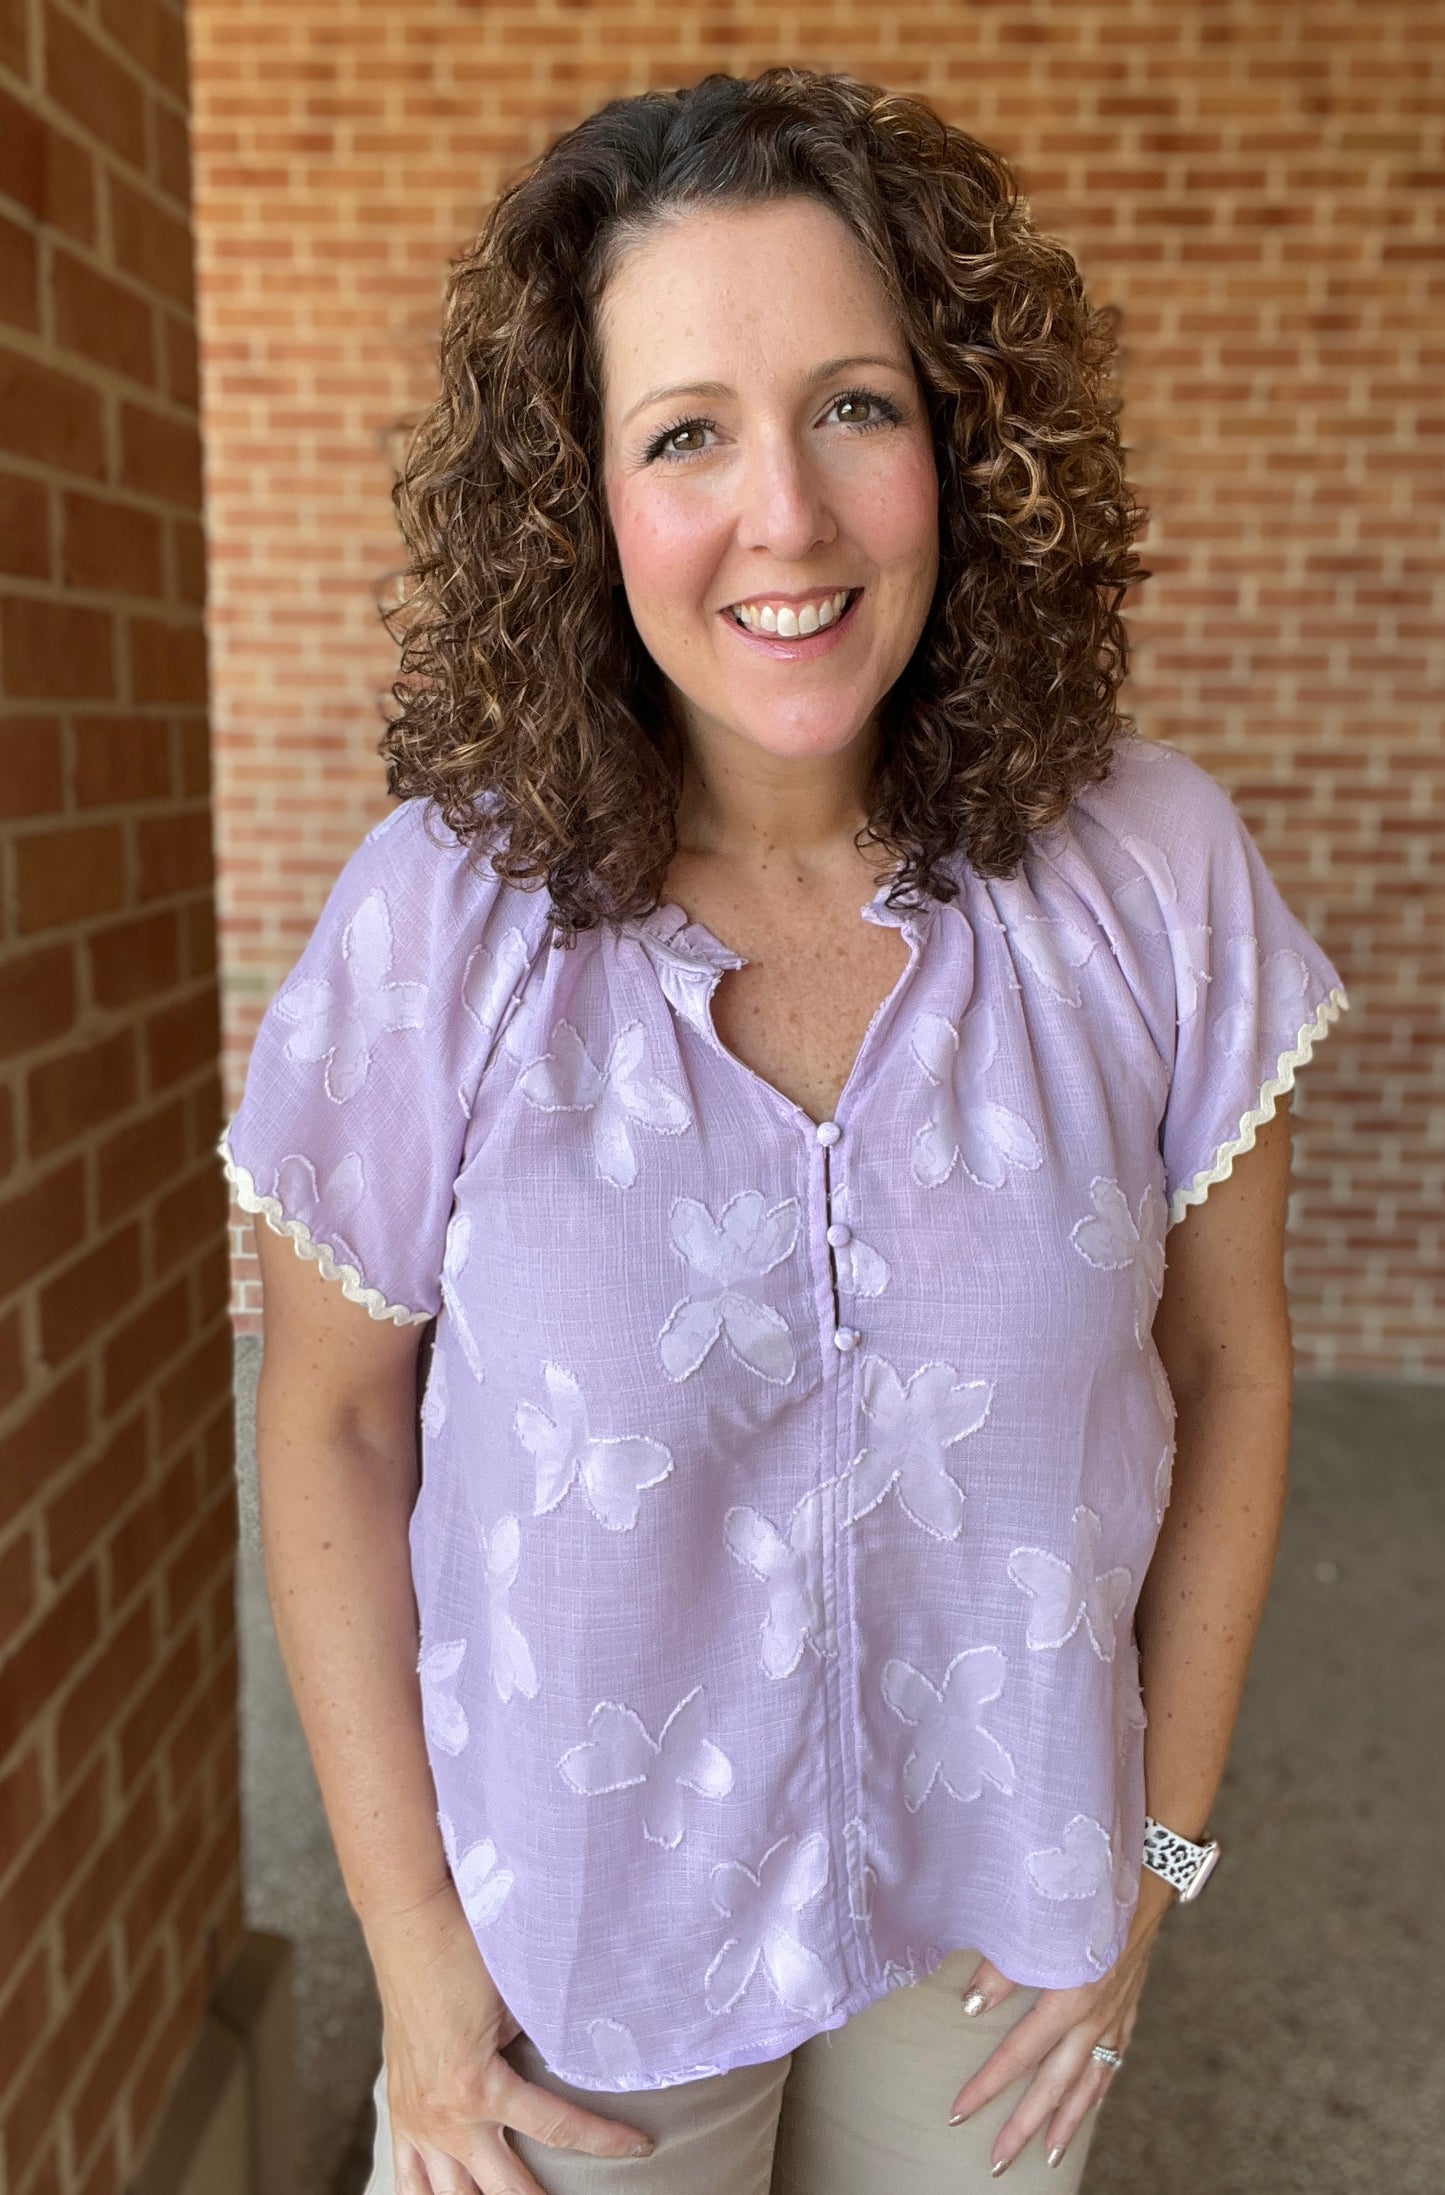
[[1057, 2036]]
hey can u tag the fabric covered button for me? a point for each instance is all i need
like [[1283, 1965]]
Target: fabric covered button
[[828, 1131], [846, 1337], [839, 1235]]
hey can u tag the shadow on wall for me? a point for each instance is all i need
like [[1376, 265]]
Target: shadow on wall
[[1281, 2043]]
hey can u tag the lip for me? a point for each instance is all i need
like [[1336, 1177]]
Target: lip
[[805, 647]]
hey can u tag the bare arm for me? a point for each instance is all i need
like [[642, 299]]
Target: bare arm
[[1223, 1331], [338, 1470]]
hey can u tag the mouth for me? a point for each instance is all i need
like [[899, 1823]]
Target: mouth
[[783, 625]]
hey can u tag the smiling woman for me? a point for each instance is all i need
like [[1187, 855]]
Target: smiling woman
[[784, 1675]]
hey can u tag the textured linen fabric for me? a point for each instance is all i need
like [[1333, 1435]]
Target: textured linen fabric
[[787, 1487]]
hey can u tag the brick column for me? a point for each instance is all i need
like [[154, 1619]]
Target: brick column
[[120, 1891]]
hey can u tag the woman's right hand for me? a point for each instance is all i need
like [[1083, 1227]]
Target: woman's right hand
[[450, 2092]]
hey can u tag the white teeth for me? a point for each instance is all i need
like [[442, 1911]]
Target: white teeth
[[788, 623]]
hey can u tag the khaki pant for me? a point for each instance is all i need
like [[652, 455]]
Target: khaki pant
[[861, 2109]]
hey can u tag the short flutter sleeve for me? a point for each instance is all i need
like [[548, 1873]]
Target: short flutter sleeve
[[350, 1133], [1250, 991]]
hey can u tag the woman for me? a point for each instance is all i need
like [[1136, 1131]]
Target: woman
[[748, 1712]]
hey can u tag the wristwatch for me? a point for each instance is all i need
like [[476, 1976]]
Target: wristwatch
[[1186, 1867]]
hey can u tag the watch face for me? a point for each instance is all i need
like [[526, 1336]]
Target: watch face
[[1201, 1874]]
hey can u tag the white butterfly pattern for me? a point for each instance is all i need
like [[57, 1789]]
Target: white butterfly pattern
[[1274, 997], [615, 1469], [764, 1909], [513, 1669], [327, 1207], [618, 1096], [343, 1030], [915, 1424], [791, 1566], [443, 1714], [455, 1256], [482, 1885], [729, 1256], [614, 2046], [436, 1402], [1065, 1594], [966, 1127], [620, 1754], [952, 1746], [1112, 1240], [1082, 1866], [1188, 941], [1053, 947]]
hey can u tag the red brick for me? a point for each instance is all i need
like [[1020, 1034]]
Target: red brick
[[38, 1225], [160, 456], [174, 853], [32, 767], [80, 1090], [199, 932], [45, 1441], [24, 527], [19, 276], [180, 1040], [112, 546], [37, 998], [15, 36], [56, 650], [105, 1881], [103, 320], [173, 156], [119, 759], [142, 1346], [12, 1361], [135, 960], [137, 1159], [154, 36], [189, 560], [87, 1295], [65, 876], [36, 1888], [151, 243], [196, 759], [154, 1710], [36, 2106], [50, 418], [194, 1390], [17, 1598], [28, 2010], [183, 366], [168, 662], [100, 1692], [22, 1806], [192, 1216], [157, 1523], [79, 1517], [7, 1131], [97, 90], [39, 1667]]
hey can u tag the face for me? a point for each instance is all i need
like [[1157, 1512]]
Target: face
[[770, 476]]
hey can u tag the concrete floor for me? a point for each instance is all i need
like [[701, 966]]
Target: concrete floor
[[1292, 2034]]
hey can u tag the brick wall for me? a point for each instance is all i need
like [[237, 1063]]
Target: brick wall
[[1257, 188], [119, 1862]]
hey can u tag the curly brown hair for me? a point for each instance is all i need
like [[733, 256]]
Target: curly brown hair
[[527, 706]]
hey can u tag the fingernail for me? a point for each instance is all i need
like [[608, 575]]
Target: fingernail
[[1002, 2166], [975, 2002], [642, 2149], [958, 2118], [1056, 2156]]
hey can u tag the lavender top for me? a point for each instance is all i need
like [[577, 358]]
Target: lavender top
[[787, 1488]]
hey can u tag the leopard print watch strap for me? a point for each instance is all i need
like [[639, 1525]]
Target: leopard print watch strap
[[1185, 1866]]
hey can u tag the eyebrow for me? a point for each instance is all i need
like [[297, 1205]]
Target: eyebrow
[[829, 367]]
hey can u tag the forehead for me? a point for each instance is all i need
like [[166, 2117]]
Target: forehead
[[738, 293]]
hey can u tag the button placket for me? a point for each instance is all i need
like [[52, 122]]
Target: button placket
[[845, 1338]]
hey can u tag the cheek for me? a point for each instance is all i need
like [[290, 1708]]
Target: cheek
[[899, 526], [665, 553]]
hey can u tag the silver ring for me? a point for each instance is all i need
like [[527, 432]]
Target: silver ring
[[1105, 2055]]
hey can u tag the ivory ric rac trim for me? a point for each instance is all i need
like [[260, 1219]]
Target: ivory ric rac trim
[[1282, 1079], [353, 1287]]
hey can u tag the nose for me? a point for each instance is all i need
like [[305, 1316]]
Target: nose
[[783, 504]]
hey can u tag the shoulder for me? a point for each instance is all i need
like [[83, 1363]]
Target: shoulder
[[413, 872], [1156, 793]]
